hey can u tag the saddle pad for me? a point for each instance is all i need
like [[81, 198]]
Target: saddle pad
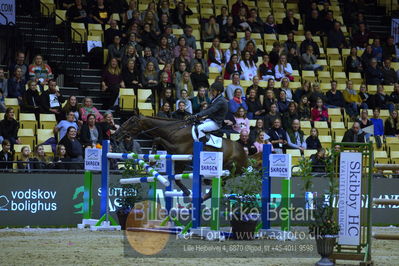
[[213, 141]]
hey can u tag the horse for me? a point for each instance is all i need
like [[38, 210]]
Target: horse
[[176, 138]]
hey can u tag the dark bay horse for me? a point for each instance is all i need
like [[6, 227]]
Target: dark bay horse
[[175, 136]]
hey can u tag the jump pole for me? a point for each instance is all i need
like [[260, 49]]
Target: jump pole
[[87, 220]]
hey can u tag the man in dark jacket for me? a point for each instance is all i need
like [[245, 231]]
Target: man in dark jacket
[[334, 97], [246, 142], [309, 41], [181, 113], [6, 156], [388, 73], [216, 112], [16, 85], [51, 101], [373, 73], [336, 38], [355, 134]]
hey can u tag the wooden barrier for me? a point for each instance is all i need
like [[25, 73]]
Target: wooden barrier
[[385, 201], [386, 236], [382, 166]]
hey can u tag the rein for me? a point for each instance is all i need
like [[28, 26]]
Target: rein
[[158, 127]]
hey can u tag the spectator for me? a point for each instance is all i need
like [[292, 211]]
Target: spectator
[[60, 159], [305, 90], [179, 14], [130, 53], [304, 109], [149, 37], [233, 86], [364, 120], [222, 18], [181, 113], [167, 97], [228, 32], [185, 98], [183, 58], [15, 85], [20, 62], [283, 69], [148, 57], [389, 50], [377, 122], [91, 133], [242, 122], [282, 102], [377, 50], [31, 99], [88, 108], [63, 125], [78, 13], [51, 100], [39, 71], [353, 101], [269, 99], [328, 22], [185, 84], [164, 84], [395, 96], [319, 113], [366, 97], [198, 77], [313, 142], [111, 83], [361, 38], [130, 76], [172, 40], [367, 56], [275, 53], [199, 99], [163, 23], [355, 134], [388, 73], [272, 115], [326, 9], [151, 8], [248, 145], [74, 151], [165, 111], [211, 29], [232, 67], [295, 136], [3, 83], [278, 137], [244, 40], [290, 43], [261, 139], [354, 62], [256, 130], [235, 9], [254, 21], [233, 50], [382, 100], [289, 116], [24, 163], [41, 161], [270, 27], [259, 91], [237, 102], [290, 23], [108, 126], [309, 60], [72, 106], [6, 156], [335, 98], [318, 161], [132, 8], [293, 59], [150, 79], [150, 18], [315, 94], [313, 23], [255, 52], [285, 83], [336, 38], [266, 69], [100, 13], [129, 145], [215, 55], [164, 52], [391, 127], [248, 67], [198, 58]]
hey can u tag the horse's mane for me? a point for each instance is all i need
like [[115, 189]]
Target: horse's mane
[[162, 118]]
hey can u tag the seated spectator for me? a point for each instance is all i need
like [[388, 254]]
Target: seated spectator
[[130, 76], [41, 160], [88, 108], [282, 102], [377, 50], [198, 77], [373, 73], [60, 159], [115, 49], [283, 69], [3, 83], [261, 139], [354, 62], [367, 56], [270, 27], [130, 53], [254, 21], [315, 94], [24, 163], [304, 109], [63, 125], [167, 97], [39, 71], [255, 108], [232, 67], [366, 97], [16, 85], [233, 50], [184, 97], [328, 22], [222, 18], [242, 122], [290, 43], [248, 66], [294, 59], [389, 50], [129, 145], [269, 99], [164, 111], [167, 69], [164, 84], [180, 45], [185, 84], [198, 58], [289, 116], [364, 120], [244, 40], [361, 38], [248, 145], [31, 99], [199, 99], [377, 122], [382, 100], [172, 40], [395, 95], [111, 83], [233, 86], [388, 73], [78, 13], [313, 22], [91, 133], [335, 98], [296, 137], [74, 150], [241, 21], [278, 137], [256, 130], [319, 112], [391, 127], [211, 29], [259, 91], [290, 23], [150, 79], [272, 115], [215, 55], [100, 13], [253, 51], [313, 142], [148, 57], [318, 161], [6, 156], [354, 134], [51, 101], [228, 32], [336, 38], [285, 86], [109, 127], [266, 69], [180, 113], [20, 63], [275, 53], [237, 102], [9, 127], [149, 38], [179, 14], [353, 101], [113, 31], [190, 39], [305, 90], [164, 52], [71, 106], [309, 60]]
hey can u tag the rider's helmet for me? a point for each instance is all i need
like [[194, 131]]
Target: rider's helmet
[[218, 86]]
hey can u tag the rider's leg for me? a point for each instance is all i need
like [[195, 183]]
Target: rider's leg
[[207, 126]]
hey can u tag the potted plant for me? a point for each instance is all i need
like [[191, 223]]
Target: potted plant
[[244, 202]]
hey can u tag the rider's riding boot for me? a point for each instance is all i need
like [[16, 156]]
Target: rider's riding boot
[[203, 139]]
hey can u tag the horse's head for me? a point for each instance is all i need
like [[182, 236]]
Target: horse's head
[[132, 126]]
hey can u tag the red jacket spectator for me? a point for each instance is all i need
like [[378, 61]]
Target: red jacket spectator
[[235, 9], [318, 115]]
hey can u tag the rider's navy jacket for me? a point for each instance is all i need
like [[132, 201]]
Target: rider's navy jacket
[[217, 110]]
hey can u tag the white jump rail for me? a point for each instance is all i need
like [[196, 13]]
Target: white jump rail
[[174, 157]]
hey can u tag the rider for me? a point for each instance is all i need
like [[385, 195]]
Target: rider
[[215, 113]]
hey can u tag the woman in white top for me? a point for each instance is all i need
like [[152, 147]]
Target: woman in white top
[[234, 49], [184, 98], [216, 56], [248, 67], [283, 68]]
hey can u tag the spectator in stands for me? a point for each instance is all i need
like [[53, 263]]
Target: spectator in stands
[[377, 122], [242, 122], [91, 133], [366, 97], [215, 55], [228, 32], [88, 108], [151, 7], [233, 86], [109, 127], [150, 18], [364, 120], [39, 71], [233, 66], [305, 90], [233, 50], [172, 40], [129, 145], [115, 50], [129, 53], [367, 56], [256, 130], [130, 10], [211, 29], [382, 100], [148, 57], [283, 69], [248, 145], [290, 23], [336, 38], [24, 162], [6, 156], [353, 101], [222, 18], [327, 22], [164, 52], [183, 44], [78, 13], [266, 69], [51, 100], [149, 37], [31, 99], [275, 53], [183, 57], [319, 113], [315, 94], [289, 116], [391, 127], [248, 66], [41, 160], [309, 41], [313, 22], [290, 43], [355, 134], [361, 38], [269, 98], [272, 115], [335, 98], [181, 113], [244, 40], [185, 84], [198, 58], [377, 50], [285, 86], [163, 23], [164, 83], [235, 9], [278, 137], [3, 83], [389, 50], [63, 125], [184, 97], [304, 109], [199, 78], [74, 150], [313, 142], [72, 106], [395, 95], [199, 99], [179, 14], [388, 73], [111, 83], [294, 59], [138, 49], [261, 139], [318, 161], [167, 97], [20, 62], [282, 102], [241, 21], [296, 137], [15, 85], [254, 21], [353, 62], [100, 13], [270, 27], [165, 111], [150, 79], [130, 76], [309, 60], [237, 102], [60, 160], [255, 52], [259, 91]]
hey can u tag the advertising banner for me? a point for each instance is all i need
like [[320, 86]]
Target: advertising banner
[[7, 12]]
